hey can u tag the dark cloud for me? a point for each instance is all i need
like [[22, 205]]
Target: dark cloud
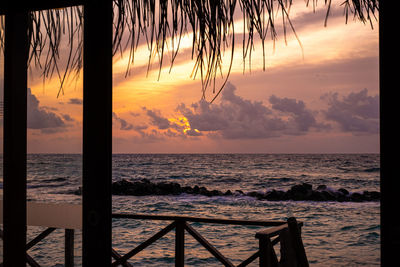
[[239, 118], [192, 132], [124, 125], [41, 119], [75, 101], [156, 119], [302, 117], [67, 117], [356, 112]]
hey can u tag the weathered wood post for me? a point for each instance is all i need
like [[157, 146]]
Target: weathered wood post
[[180, 243], [295, 234], [69, 247], [267, 253], [97, 133], [14, 158]]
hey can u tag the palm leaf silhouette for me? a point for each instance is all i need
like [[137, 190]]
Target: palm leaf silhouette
[[210, 21]]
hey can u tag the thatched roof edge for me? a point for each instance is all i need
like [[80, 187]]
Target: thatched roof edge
[[211, 21]]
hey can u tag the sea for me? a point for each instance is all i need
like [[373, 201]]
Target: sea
[[334, 233]]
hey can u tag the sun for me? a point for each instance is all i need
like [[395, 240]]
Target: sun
[[184, 123]]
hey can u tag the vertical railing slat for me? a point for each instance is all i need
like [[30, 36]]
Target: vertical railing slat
[[180, 243], [69, 247]]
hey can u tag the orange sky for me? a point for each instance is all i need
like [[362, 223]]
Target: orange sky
[[321, 99]]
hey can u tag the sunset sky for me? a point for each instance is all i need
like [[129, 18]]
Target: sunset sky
[[318, 97]]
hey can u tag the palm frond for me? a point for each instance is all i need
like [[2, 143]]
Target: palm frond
[[159, 22]]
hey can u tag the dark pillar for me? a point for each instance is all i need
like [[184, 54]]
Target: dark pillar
[[389, 140], [14, 157], [97, 133]]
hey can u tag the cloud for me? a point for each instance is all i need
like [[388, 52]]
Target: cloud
[[75, 101], [39, 118], [156, 119], [301, 116], [124, 125], [356, 112], [67, 117], [239, 118], [192, 132]]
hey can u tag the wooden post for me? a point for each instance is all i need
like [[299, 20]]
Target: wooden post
[[69, 247], [180, 243], [389, 141], [97, 133], [14, 160], [297, 242], [263, 252], [267, 253]]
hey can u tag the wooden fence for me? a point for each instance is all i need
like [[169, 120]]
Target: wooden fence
[[288, 234]]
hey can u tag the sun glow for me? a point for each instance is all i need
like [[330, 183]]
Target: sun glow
[[183, 122]]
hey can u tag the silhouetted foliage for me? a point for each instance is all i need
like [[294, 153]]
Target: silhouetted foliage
[[159, 21]]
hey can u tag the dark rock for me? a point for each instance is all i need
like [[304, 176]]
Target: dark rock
[[196, 189], [343, 191], [203, 191], [316, 196], [307, 186], [228, 193], [257, 195], [274, 195], [216, 193], [321, 187], [300, 192], [356, 197], [375, 195], [187, 190], [297, 192], [371, 196], [239, 192], [327, 195]]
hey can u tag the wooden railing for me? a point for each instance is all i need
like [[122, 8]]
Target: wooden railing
[[287, 233], [69, 246]]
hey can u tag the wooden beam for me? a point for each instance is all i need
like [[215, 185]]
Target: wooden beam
[[40, 237], [116, 256], [249, 259], [197, 219], [97, 133], [145, 244], [14, 158], [196, 235], [389, 140], [10, 6]]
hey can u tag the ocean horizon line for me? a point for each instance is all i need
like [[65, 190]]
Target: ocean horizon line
[[213, 153]]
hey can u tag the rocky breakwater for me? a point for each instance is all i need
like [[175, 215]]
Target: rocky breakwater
[[300, 192]]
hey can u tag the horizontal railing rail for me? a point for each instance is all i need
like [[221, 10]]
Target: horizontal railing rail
[[292, 250], [197, 219]]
